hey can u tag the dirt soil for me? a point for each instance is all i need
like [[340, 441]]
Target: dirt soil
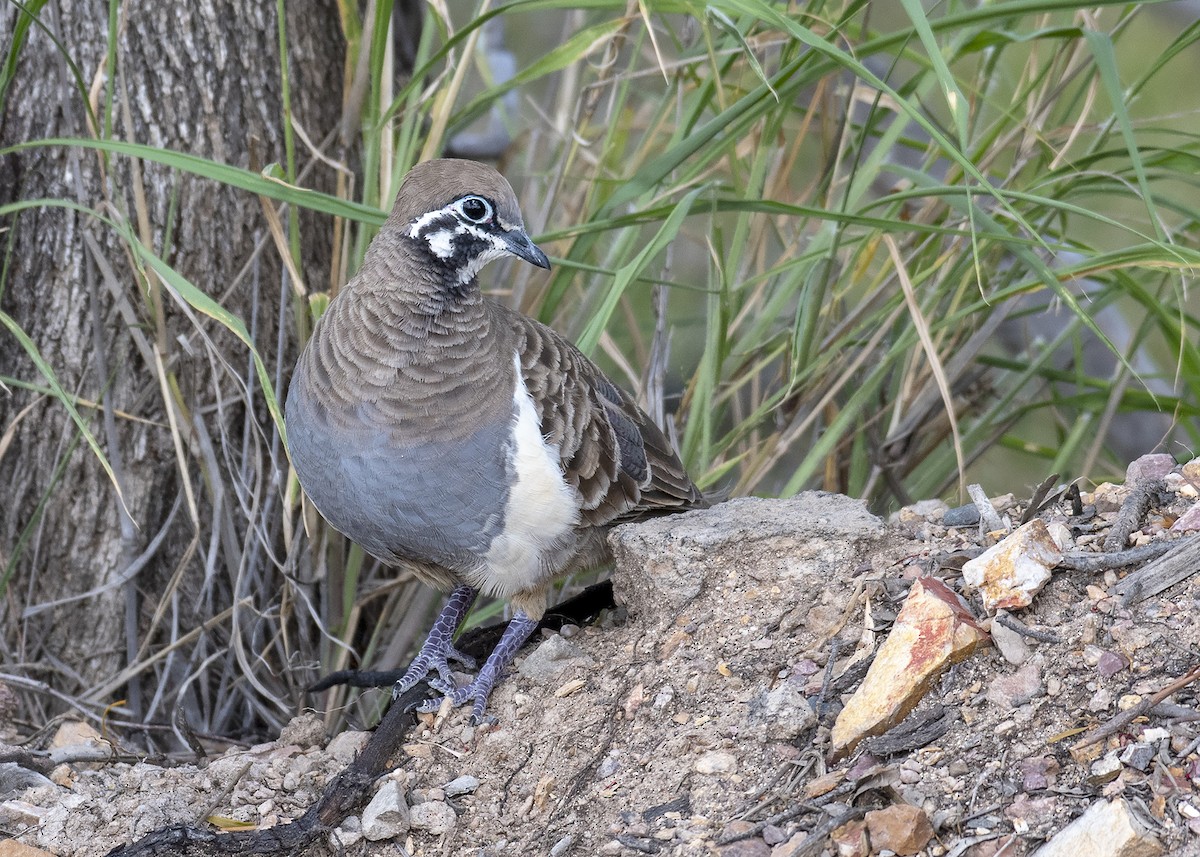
[[694, 718]]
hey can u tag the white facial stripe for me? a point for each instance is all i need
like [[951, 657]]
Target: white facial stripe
[[469, 271], [441, 243], [475, 265], [419, 223]]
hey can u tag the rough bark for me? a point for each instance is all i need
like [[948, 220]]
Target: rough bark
[[202, 78]]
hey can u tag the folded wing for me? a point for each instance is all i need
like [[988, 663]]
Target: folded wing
[[620, 462]]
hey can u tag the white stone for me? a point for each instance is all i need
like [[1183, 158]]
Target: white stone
[[1062, 535], [552, 658], [347, 834], [386, 816], [716, 762], [463, 785], [346, 745], [1011, 644], [1106, 829], [304, 730], [19, 812], [784, 711], [1010, 573]]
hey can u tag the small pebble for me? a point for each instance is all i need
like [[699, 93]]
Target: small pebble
[[387, 815], [772, 835], [348, 833], [463, 785], [1101, 700], [1111, 663], [608, 767], [303, 730], [716, 762], [1151, 466], [433, 816], [1138, 756], [346, 745], [963, 516]]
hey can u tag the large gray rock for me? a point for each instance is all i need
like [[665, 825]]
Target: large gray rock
[[663, 564]]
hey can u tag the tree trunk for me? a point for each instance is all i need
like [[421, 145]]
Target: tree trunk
[[202, 78]]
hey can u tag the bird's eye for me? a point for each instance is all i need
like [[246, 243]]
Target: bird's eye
[[475, 209]]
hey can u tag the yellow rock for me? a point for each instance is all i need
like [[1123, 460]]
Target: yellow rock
[[933, 630]]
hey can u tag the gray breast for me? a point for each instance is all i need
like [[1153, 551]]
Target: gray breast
[[438, 502]]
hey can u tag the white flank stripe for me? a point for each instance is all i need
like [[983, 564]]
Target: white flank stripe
[[542, 508]]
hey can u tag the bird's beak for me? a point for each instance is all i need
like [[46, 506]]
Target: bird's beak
[[520, 245]]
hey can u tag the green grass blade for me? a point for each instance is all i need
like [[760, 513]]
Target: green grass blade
[[64, 399], [222, 173], [1106, 62], [20, 33], [626, 274], [955, 100], [204, 304]]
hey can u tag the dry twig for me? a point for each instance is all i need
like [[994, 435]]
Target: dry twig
[[1013, 625], [1179, 563], [1133, 510], [1094, 562], [1129, 715]]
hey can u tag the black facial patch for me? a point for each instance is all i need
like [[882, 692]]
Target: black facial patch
[[451, 245]]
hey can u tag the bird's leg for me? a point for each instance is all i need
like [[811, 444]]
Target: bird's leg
[[518, 631], [438, 649]]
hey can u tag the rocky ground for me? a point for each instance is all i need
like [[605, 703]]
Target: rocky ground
[[703, 722]]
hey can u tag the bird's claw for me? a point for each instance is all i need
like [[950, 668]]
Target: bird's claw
[[434, 660], [438, 651], [429, 706], [476, 692], [445, 685]]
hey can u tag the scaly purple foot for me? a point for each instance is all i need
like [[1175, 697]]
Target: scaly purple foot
[[518, 631], [438, 649]]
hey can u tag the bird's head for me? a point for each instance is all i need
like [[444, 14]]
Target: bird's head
[[463, 214]]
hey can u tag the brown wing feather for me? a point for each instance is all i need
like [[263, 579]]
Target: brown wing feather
[[621, 463]]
